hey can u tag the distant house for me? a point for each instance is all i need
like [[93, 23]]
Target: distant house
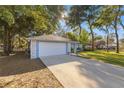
[[100, 44], [112, 46], [48, 45]]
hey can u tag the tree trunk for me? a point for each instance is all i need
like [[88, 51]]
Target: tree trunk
[[10, 49], [93, 45], [107, 31], [92, 42], [9, 42], [92, 36], [116, 34], [115, 27], [19, 42], [80, 29], [6, 46], [107, 42], [117, 41]]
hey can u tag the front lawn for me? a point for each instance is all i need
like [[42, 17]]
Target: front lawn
[[108, 57]]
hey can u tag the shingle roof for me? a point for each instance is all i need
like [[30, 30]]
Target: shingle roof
[[51, 38]]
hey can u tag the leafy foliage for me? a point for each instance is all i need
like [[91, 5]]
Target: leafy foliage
[[83, 38], [74, 19], [22, 20], [71, 36]]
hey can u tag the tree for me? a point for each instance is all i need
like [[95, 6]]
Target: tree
[[81, 14], [111, 38], [22, 19], [111, 16], [115, 16], [121, 14], [6, 20], [97, 37], [74, 19], [90, 16], [72, 36], [117, 11], [83, 38], [104, 23]]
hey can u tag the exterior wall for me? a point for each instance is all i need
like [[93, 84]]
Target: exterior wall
[[68, 47], [75, 47], [52, 48], [33, 49], [80, 46]]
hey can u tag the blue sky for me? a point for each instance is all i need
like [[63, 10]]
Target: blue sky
[[98, 32], [120, 31]]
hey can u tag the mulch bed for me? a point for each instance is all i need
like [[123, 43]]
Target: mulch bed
[[19, 71]]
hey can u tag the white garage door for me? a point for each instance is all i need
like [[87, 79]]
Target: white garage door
[[51, 48]]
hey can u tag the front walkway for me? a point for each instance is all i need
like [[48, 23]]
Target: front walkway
[[74, 71]]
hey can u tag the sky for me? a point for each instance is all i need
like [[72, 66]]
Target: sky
[[85, 26]]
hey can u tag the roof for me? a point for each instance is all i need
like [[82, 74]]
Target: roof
[[51, 38]]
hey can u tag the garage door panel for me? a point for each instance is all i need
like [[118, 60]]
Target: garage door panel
[[50, 48]]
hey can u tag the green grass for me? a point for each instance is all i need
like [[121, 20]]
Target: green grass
[[108, 57]]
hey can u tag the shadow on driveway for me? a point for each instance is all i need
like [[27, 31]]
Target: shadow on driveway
[[74, 71]]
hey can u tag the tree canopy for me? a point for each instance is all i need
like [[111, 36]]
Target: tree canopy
[[25, 20]]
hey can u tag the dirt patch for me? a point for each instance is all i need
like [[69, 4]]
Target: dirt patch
[[20, 71]]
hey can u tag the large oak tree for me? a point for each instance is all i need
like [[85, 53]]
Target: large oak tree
[[23, 19]]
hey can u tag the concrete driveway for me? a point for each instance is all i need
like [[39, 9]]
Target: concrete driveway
[[75, 72]]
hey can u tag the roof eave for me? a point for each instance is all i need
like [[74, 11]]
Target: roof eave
[[53, 41]]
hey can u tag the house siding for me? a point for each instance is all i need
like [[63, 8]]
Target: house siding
[[33, 49]]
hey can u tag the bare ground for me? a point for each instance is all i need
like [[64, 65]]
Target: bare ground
[[19, 71]]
